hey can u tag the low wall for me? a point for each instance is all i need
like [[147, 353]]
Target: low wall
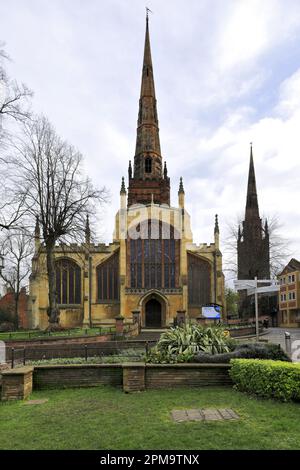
[[190, 375], [70, 376], [133, 376], [244, 331], [18, 383]]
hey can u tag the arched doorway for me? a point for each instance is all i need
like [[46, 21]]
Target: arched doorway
[[153, 317]]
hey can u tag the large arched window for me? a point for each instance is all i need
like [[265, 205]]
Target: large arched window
[[199, 284], [108, 279], [68, 282], [154, 258]]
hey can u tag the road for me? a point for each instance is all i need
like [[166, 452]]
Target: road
[[276, 335]]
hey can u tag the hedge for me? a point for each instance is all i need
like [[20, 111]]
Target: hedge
[[267, 378]]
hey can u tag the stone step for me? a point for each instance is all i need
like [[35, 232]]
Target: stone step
[[149, 335]]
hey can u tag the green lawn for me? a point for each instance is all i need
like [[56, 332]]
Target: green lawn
[[106, 418], [31, 334]]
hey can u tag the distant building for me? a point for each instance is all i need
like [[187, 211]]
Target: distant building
[[152, 265], [289, 295], [253, 244], [7, 305]]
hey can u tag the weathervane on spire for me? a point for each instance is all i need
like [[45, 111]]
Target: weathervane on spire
[[147, 12]]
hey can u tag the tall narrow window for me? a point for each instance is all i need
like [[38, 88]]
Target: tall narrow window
[[108, 279], [68, 282], [148, 165], [199, 284]]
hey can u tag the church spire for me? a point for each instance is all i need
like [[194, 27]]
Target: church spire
[[147, 160], [252, 202], [149, 176]]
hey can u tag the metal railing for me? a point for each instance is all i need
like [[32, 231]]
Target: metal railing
[[126, 350]]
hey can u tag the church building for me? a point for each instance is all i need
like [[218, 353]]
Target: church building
[[152, 265], [253, 250]]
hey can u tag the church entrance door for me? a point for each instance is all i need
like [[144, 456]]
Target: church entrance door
[[153, 314]]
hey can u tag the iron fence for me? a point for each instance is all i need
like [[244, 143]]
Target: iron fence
[[126, 350]]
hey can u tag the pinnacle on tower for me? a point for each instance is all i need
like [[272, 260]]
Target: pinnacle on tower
[[165, 171], [37, 232], [123, 189], [266, 228], [129, 170], [87, 231], [217, 230], [37, 235], [181, 190]]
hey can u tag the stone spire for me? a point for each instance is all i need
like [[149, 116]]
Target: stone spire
[[149, 179], [252, 245], [252, 202], [147, 160], [87, 231]]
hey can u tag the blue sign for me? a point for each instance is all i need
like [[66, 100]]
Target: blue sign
[[212, 312]]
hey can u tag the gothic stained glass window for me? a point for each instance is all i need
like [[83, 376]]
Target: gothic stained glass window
[[199, 283], [68, 282], [108, 279], [154, 261]]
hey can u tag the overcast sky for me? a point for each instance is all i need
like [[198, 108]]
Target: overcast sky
[[227, 73]]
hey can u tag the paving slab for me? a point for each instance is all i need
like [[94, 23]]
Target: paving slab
[[195, 415], [36, 402], [179, 415], [205, 414]]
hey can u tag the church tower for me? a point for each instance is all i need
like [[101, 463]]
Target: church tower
[[253, 245], [149, 180]]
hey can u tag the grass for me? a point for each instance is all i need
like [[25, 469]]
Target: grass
[[106, 418], [65, 333]]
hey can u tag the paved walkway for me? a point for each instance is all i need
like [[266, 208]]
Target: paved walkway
[[276, 335]]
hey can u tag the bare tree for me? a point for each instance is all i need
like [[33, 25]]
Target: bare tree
[[13, 96], [17, 248], [50, 181], [14, 108], [279, 246]]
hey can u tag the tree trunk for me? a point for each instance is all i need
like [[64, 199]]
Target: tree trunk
[[52, 311], [16, 312]]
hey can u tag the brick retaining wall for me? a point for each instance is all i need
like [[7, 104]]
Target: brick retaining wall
[[190, 375], [81, 375], [16, 383], [133, 377]]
